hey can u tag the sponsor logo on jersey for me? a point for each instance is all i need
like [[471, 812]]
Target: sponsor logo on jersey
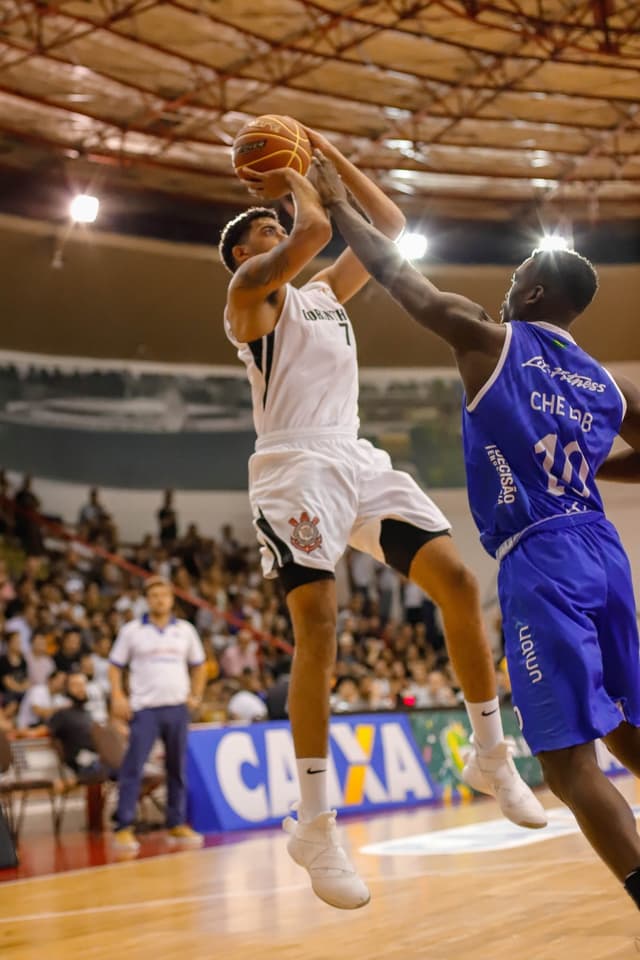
[[508, 488], [306, 535], [338, 315], [574, 379], [529, 654]]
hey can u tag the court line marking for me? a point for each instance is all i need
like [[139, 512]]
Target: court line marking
[[292, 887]]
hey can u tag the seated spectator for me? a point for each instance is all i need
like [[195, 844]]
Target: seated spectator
[[41, 701], [245, 705], [346, 696], [70, 654], [347, 652], [373, 695], [23, 619], [100, 660], [72, 727], [40, 665], [14, 679], [278, 694], [96, 697], [241, 654], [440, 692]]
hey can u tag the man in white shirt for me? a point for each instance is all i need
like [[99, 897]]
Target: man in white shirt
[[41, 701], [167, 674], [245, 705]]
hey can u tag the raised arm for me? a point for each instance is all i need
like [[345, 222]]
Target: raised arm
[[464, 325], [348, 275], [624, 467], [260, 276]]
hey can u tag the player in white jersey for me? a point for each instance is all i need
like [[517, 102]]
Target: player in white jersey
[[315, 487]]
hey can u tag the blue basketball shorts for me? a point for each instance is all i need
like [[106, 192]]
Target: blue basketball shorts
[[571, 635]]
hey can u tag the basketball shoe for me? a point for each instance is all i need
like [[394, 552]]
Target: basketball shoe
[[314, 846], [493, 772], [124, 842], [184, 836]]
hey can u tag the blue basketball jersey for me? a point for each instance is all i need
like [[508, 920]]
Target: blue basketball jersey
[[537, 433]]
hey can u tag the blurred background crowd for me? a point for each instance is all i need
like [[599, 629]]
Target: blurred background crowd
[[65, 593]]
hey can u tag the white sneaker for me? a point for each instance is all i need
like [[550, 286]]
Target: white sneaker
[[315, 847], [494, 772]]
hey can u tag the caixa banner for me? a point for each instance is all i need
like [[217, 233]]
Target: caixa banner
[[243, 777]]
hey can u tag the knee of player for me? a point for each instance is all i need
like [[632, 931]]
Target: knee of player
[[567, 772], [316, 640], [460, 586], [555, 777]]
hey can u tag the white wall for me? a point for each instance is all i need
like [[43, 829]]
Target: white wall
[[134, 512]]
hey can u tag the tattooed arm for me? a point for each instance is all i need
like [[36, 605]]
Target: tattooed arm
[[251, 314], [625, 466], [463, 324]]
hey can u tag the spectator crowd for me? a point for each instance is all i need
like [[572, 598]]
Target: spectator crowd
[[66, 592]]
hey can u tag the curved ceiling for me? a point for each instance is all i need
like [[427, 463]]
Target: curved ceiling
[[481, 109]]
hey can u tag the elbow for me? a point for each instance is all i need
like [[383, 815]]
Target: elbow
[[322, 230]]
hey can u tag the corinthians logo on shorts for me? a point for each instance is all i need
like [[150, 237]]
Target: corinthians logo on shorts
[[306, 535]]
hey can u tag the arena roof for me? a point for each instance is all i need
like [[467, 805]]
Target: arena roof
[[480, 109]]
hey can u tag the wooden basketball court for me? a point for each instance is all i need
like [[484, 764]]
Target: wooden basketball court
[[492, 900]]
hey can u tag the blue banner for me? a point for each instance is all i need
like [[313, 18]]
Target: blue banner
[[243, 777]]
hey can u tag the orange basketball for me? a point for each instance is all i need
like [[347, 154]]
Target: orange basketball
[[269, 143]]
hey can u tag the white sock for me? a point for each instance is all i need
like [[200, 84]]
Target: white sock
[[486, 723], [312, 776]]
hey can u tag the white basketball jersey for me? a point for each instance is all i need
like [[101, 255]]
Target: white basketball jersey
[[304, 374]]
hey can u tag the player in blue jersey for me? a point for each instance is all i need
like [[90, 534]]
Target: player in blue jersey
[[539, 421]]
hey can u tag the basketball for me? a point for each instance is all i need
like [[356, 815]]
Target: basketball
[[269, 143]]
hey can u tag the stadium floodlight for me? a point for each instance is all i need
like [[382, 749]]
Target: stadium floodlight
[[553, 241], [84, 208], [413, 246]]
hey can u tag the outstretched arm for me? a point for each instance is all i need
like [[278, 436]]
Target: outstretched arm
[[348, 275], [464, 325], [625, 466], [265, 273]]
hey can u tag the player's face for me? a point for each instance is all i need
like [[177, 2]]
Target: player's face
[[513, 304], [265, 234]]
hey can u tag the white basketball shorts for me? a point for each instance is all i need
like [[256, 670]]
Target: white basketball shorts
[[312, 497]]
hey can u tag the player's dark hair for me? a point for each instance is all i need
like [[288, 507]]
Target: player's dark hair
[[569, 274], [237, 230]]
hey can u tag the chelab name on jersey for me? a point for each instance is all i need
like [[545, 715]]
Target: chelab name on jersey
[[567, 376]]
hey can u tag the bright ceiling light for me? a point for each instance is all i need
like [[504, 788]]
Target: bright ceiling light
[[413, 246], [553, 241], [84, 208]]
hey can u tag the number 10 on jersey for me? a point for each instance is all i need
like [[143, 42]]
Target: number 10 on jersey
[[564, 467]]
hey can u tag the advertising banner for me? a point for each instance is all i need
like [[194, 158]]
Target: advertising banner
[[442, 737], [242, 777]]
